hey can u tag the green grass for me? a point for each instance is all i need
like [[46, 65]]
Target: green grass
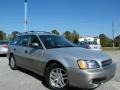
[[111, 49]]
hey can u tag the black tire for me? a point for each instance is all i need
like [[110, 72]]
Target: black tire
[[47, 76], [12, 59]]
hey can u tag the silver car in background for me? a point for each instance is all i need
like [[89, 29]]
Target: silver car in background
[[3, 47], [59, 61]]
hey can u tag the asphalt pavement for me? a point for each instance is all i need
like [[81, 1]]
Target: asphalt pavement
[[26, 80]]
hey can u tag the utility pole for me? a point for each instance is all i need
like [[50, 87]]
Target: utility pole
[[26, 22], [113, 34]]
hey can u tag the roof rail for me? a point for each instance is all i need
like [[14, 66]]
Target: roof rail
[[34, 32], [40, 32]]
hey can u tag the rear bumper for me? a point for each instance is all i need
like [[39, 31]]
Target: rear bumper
[[90, 78], [3, 52]]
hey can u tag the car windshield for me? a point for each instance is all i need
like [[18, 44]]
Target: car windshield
[[54, 41], [88, 43], [92, 42], [3, 42]]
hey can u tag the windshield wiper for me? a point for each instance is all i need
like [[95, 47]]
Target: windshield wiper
[[56, 47], [61, 46], [69, 46]]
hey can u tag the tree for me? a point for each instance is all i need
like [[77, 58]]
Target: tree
[[14, 34], [55, 32], [105, 41], [117, 41], [74, 36], [8, 37], [67, 35], [1, 35], [4, 36]]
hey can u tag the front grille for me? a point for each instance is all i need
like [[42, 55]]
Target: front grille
[[106, 62]]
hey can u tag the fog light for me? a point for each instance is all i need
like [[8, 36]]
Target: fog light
[[90, 82], [94, 84]]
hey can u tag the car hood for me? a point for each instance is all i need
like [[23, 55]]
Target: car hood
[[81, 53]]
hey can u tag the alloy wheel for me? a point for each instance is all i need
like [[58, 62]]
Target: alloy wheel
[[58, 78]]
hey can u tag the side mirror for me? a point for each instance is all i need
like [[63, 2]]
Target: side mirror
[[35, 45]]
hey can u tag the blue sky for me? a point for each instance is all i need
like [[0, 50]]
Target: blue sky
[[87, 17]]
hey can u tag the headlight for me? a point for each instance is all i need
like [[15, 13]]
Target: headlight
[[88, 64]]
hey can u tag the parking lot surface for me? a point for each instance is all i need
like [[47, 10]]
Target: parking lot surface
[[25, 80]]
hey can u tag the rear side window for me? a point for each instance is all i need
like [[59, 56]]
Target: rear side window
[[15, 41]]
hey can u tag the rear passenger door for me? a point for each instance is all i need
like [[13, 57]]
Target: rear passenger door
[[19, 50], [34, 54]]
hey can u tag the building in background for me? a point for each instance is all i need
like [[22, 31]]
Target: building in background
[[88, 38], [92, 43]]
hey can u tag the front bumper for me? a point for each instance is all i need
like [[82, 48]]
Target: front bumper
[[90, 78]]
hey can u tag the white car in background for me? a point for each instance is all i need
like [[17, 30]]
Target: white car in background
[[92, 45], [3, 47]]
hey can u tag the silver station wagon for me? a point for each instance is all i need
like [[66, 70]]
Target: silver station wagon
[[59, 61]]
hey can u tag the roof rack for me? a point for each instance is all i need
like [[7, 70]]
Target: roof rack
[[40, 32], [29, 32]]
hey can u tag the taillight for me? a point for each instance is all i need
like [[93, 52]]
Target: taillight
[[5, 46]]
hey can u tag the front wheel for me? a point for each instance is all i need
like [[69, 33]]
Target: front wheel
[[56, 77]]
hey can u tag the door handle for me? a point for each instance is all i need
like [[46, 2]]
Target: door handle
[[26, 51], [14, 49]]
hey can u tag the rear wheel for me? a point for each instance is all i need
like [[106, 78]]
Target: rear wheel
[[56, 77], [12, 62]]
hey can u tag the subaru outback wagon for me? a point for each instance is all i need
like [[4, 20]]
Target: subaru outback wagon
[[59, 61]]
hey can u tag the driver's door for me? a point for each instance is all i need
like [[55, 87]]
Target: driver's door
[[34, 54]]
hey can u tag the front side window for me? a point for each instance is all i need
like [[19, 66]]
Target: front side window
[[24, 41], [53, 41], [34, 40]]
